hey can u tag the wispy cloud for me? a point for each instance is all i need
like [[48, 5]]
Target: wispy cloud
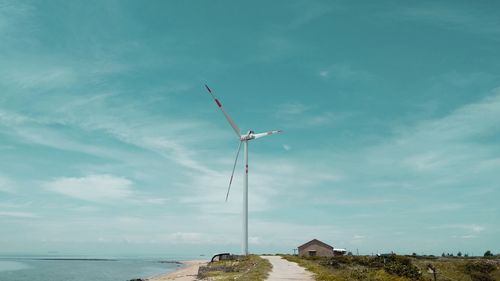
[[270, 179], [47, 77], [291, 109], [361, 200], [345, 72], [470, 228], [22, 215], [275, 48], [12, 14], [100, 188], [455, 18], [300, 115], [95, 188], [467, 227], [6, 184], [164, 138], [305, 12], [185, 237], [450, 145]]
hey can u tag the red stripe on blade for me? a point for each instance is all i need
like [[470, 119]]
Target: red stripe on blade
[[218, 103]]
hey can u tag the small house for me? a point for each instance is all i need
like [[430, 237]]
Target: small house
[[315, 248]]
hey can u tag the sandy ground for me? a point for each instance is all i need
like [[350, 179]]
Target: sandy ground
[[187, 273], [285, 270]]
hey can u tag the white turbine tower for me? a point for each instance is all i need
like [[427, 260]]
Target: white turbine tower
[[243, 139]]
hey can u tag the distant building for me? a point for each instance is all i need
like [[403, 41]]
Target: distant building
[[315, 248], [339, 252]]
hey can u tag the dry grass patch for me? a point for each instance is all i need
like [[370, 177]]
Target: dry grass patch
[[249, 268], [399, 268]]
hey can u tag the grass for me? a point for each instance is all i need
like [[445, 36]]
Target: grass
[[456, 268], [249, 268], [399, 268]]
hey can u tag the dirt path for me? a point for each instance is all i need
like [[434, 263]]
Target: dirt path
[[285, 270]]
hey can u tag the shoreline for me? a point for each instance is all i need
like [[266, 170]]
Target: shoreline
[[188, 272]]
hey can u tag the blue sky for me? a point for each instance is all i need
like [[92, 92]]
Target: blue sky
[[110, 145]]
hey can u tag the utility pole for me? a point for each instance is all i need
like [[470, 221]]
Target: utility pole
[[294, 250]]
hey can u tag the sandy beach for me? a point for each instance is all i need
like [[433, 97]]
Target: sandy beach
[[186, 273]]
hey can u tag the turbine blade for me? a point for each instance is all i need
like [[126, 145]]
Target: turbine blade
[[260, 135], [231, 122], [234, 167]]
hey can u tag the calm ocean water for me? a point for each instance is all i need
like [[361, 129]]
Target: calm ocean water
[[30, 269]]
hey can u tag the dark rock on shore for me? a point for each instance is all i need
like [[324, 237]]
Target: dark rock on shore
[[173, 262]]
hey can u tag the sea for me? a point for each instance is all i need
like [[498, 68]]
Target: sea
[[82, 269]]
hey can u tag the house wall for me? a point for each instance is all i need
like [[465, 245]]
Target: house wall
[[320, 251]]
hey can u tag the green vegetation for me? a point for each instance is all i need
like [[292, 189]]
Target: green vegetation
[[249, 268], [400, 268]]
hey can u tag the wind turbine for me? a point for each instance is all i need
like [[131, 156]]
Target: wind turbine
[[250, 135]]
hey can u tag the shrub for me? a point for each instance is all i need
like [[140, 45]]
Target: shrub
[[359, 274], [480, 271], [480, 266], [402, 266]]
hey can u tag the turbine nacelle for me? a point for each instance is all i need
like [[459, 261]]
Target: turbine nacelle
[[249, 136], [252, 135]]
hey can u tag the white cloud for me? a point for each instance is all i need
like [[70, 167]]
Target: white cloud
[[94, 188], [273, 48], [307, 12], [26, 215], [291, 109], [173, 150], [287, 147], [324, 73], [345, 72], [472, 228], [101, 188], [468, 236], [360, 200], [254, 240], [454, 18], [12, 14], [6, 184], [448, 150], [299, 115], [12, 118], [477, 228], [47, 77], [473, 120], [165, 138], [184, 237], [269, 180]]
